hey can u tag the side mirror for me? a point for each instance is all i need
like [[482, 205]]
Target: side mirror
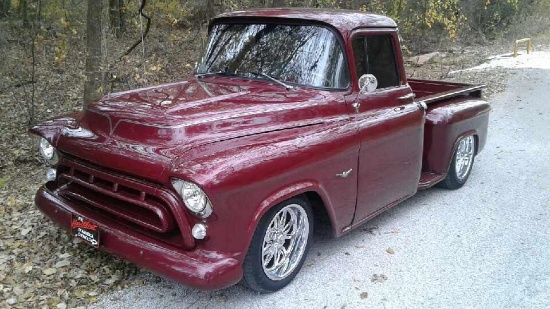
[[367, 83]]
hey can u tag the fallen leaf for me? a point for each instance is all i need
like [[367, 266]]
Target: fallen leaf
[[364, 295], [378, 278], [223, 298], [371, 230], [111, 280], [27, 269], [390, 251], [62, 263], [64, 255], [24, 232], [49, 271], [18, 291], [61, 306], [80, 293], [11, 202]]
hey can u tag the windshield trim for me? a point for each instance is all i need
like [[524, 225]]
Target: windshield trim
[[290, 22]]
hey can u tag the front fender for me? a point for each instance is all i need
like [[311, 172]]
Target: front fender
[[245, 177], [288, 192]]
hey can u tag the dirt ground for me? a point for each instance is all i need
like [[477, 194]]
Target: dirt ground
[[40, 265]]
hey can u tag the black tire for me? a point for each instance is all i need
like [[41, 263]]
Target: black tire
[[255, 276], [456, 179]]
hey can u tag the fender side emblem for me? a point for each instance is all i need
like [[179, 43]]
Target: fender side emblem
[[345, 173]]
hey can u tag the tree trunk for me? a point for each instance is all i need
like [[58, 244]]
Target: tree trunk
[[121, 15], [278, 3], [23, 12], [116, 17], [215, 7], [348, 5], [5, 6], [95, 82]]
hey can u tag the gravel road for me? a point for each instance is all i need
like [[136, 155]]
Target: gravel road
[[486, 245]]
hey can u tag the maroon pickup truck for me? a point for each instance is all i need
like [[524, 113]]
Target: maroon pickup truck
[[291, 115]]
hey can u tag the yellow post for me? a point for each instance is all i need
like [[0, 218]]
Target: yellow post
[[526, 40]]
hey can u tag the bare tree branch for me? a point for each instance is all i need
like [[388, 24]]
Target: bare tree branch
[[140, 40]]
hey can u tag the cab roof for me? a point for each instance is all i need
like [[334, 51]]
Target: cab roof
[[344, 21]]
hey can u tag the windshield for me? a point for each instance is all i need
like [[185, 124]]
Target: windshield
[[300, 54]]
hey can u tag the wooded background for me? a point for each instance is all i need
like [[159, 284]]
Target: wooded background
[[69, 52], [55, 53]]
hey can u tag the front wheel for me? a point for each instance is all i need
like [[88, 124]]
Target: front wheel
[[279, 246], [461, 164]]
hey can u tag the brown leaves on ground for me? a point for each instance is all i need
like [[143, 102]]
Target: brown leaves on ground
[[41, 266]]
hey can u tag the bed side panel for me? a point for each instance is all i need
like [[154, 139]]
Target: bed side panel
[[445, 123]]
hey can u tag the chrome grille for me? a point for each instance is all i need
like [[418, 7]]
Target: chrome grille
[[148, 207]]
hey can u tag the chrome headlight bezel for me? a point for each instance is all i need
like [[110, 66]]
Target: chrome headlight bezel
[[194, 198], [48, 151]]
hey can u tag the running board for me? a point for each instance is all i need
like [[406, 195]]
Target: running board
[[428, 180]]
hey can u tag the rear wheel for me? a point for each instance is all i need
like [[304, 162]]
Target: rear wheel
[[279, 246], [461, 164]]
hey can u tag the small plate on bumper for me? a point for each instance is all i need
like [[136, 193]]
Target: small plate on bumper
[[85, 229]]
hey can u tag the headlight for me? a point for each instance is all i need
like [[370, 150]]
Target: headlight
[[194, 198], [47, 151]]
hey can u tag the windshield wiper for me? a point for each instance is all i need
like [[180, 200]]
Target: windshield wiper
[[223, 73], [273, 79]]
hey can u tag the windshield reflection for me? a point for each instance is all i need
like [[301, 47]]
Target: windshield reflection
[[300, 54]]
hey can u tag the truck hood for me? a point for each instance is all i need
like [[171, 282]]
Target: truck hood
[[151, 127]]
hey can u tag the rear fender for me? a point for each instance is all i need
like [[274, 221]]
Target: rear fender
[[446, 123]]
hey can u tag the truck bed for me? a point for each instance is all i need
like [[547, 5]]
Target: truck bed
[[453, 108], [431, 91]]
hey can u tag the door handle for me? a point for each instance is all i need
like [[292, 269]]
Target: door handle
[[399, 108], [356, 106], [406, 98]]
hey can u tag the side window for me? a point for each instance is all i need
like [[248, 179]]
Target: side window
[[374, 54], [360, 55]]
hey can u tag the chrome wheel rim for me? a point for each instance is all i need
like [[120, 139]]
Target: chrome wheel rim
[[285, 242], [464, 157]]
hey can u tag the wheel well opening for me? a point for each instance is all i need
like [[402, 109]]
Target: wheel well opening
[[320, 214]]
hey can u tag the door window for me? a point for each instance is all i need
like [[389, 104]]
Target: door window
[[374, 54]]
